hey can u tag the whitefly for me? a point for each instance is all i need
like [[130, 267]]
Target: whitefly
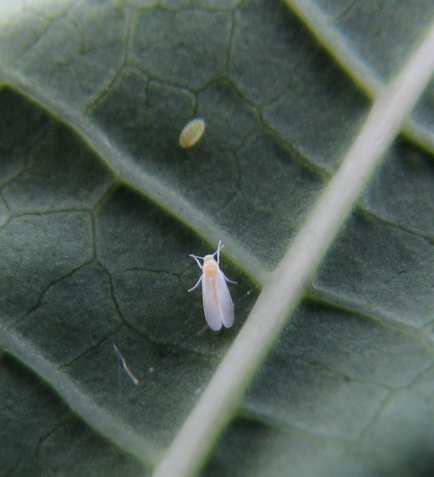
[[217, 302]]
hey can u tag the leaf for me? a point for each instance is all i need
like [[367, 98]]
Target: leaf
[[100, 208], [40, 436]]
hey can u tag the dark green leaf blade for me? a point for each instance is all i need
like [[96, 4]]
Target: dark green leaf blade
[[96, 229]]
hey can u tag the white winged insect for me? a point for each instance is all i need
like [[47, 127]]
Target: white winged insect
[[217, 302]]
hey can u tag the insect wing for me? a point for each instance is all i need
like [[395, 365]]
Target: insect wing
[[217, 302], [211, 305], [226, 304]]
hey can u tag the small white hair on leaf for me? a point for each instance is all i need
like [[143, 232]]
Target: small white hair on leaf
[[125, 366], [192, 133], [218, 307]]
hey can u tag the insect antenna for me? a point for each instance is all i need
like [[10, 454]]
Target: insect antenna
[[196, 258], [217, 252]]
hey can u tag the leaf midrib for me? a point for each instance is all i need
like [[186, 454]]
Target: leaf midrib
[[153, 189], [107, 425], [362, 75], [148, 186], [280, 297]]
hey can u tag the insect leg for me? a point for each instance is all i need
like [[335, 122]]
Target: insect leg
[[195, 285], [228, 279]]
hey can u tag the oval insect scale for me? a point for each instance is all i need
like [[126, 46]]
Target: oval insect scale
[[192, 133]]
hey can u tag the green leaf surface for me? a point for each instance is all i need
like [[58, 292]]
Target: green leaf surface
[[99, 209]]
